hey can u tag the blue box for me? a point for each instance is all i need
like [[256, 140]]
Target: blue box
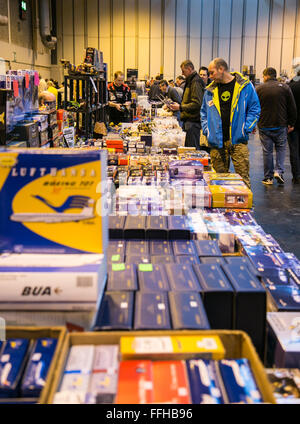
[[152, 311], [116, 226], [204, 382], [250, 304], [38, 366], [212, 260], [187, 311], [284, 298], [115, 312], [280, 278], [52, 201], [218, 295], [137, 248], [160, 247], [116, 247], [134, 227], [138, 259], [186, 260], [181, 247], [242, 260], [207, 248], [153, 278], [178, 228], [122, 277], [156, 228], [239, 381], [182, 278], [12, 363], [163, 259]]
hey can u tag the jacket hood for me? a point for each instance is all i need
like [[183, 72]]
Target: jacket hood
[[240, 79]]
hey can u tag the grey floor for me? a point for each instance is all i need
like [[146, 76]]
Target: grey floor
[[276, 208]]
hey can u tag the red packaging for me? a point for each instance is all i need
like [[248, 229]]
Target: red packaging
[[135, 384], [170, 382]]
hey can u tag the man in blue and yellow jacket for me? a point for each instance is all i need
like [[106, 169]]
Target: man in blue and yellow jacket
[[229, 113]]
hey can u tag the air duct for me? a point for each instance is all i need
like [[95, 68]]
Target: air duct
[[45, 26]]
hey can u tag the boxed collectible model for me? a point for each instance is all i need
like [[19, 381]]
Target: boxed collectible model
[[181, 247], [218, 295], [163, 259], [122, 277], [160, 247], [207, 248], [156, 228], [115, 312], [116, 226], [187, 311], [53, 201], [170, 382], [153, 278], [182, 278], [137, 247], [187, 260], [152, 311], [135, 382]]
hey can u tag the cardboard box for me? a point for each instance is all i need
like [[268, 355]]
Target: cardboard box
[[134, 227], [178, 228], [170, 382], [163, 259], [231, 196], [237, 344], [53, 201], [137, 247], [218, 295], [33, 333]]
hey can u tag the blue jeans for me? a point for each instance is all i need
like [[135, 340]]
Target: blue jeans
[[270, 138], [294, 144]]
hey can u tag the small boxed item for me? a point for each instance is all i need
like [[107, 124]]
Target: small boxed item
[[284, 298], [187, 260], [134, 227], [116, 227], [135, 384], [137, 247], [181, 247], [170, 382], [153, 278], [152, 311], [207, 248], [138, 259], [187, 311], [218, 295], [156, 228], [182, 278], [178, 228], [231, 196], [122, 277], [160, 247], [286, 384], [115, 312], [163, 259]]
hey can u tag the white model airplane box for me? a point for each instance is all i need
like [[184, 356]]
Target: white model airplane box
[[51, 282], [53, 201]]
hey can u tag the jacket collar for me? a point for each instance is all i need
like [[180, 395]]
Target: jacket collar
[[240, 79]]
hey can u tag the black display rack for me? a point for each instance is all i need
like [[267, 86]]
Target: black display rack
[[92, 90]]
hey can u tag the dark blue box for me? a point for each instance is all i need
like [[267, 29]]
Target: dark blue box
[[134, 227], [204, 382], [116, 247], [187, 260], [212, 260], [116, 226], [152, 311], [156, 228], [182, 278], [163, 259], [250, 304], [239, 381], [122, 277], [207, 248], [242, 260], [160, 247], [182, 247], [187, 311], [153, 278], [138, 259], [285, 298], [115, 312], [218, 295], [178, 228], [137, 248]]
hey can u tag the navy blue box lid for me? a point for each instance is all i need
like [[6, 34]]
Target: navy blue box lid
[[212, 278], [187, 259], [152, 311], [115, 312], [207, 248], [187, 311], [153, 278], [182, 278], [242, 279]]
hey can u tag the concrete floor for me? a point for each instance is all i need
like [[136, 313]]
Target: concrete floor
[[276, 208]]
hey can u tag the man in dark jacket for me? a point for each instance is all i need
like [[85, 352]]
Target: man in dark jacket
[[170, 93], [154, 92], [277, 119], [191, 104], [294, 136]]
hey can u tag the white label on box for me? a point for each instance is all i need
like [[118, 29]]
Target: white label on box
[[106, 358], [161, 306], [36, 356], [80, 359], [5, 358], [152, 345], [193, 304], [124, 305], [69, 398], [182, 391], [207, 343]]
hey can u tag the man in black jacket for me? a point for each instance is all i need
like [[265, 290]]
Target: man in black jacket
[[191, 104], [277, 119], [170, 93], [294, 136]]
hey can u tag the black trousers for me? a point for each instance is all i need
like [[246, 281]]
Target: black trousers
[[294, 145], [192, 138]]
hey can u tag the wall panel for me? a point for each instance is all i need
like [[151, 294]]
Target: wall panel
[[143, 37], [92, 21], [130, 34], [195, 32], [118, 36], [68, 50], [288, 35], [105, 44], [181, 34], [236, 31], [169, 38], [79, 31], [262, 37], [276, 26], [207, 32], [250, 32], [155, 37], [224, 29]]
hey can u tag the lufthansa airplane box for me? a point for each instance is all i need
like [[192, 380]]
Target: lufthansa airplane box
[[54, 201], [45, 282], [218, 295], [250, 304]]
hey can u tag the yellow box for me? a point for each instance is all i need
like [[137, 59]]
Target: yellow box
[[231, 196], [163, 347], [237, 344], [33, 333]]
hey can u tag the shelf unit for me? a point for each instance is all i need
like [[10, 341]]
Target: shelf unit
[[91, 89]]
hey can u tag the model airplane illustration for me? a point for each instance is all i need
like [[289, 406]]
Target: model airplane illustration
[[72, 202]]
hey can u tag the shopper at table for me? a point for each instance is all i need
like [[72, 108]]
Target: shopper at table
[[171, 95], [229, 113], [294, 136], [119, 96], [277, 119], [179, 85], [191, 104], [154, 92]]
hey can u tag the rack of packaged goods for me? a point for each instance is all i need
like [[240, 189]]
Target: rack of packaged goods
[[86, 96]]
